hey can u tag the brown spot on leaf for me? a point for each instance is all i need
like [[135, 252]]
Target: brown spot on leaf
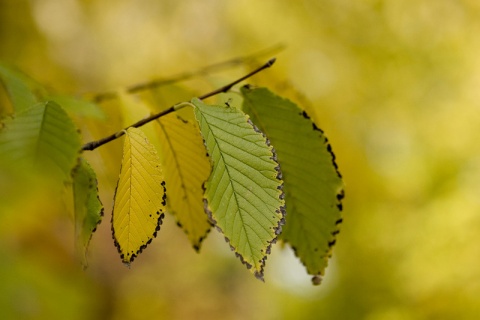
[[181, 119], [164, 199]]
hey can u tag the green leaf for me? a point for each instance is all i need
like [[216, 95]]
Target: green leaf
[[88, 208], [187, 167], [19, 87], [313, 185], [244, 192], [42, 137], [140, 197], [78, 106]]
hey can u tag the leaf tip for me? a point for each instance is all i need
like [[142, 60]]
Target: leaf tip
[[129, 257], [317, 280], [197, 246], [259, 276]]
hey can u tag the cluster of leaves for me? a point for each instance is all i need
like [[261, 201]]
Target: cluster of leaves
[[256, 168]]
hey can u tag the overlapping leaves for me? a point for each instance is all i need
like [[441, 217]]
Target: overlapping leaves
[[41, 137], [313, 185], [187, 167], [19, 88], [243, 193], [221, 163], [24, 93]]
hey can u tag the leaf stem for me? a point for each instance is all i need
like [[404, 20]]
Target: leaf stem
[[92, 145]]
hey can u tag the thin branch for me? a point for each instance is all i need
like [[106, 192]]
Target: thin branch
[[187, 75], [92, 145], [230, 85]]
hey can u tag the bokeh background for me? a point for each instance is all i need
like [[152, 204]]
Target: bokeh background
[[395, 85]]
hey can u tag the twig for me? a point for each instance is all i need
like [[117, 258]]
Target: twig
[[187, 75], [92, 145]]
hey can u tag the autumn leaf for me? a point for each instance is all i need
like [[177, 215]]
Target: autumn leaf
[[140, 197], [244, 192], [313, 185]]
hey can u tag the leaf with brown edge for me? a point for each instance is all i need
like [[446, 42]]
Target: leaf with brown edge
[[140, 197], [87, 205], [313, 185], [187, 167], [243, 195]]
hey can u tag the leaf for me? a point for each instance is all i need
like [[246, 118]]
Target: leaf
[[187, 167], [19, 87], [41, 137], [140, 197], [313, 185], [88, 208], [133, 109], [244, 192], [78, 106], [169, 94]]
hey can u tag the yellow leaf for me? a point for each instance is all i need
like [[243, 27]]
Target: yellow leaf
[[140, 198], [187, 167]]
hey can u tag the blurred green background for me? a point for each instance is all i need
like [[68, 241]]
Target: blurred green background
[[395, 85]]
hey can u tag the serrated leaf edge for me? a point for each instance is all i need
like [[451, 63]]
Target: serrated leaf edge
[[93, 183], [160, 214], [197, 245], [317, 278], [277, 229]]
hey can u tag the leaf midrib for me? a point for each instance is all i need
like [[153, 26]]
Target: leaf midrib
[[229, 181]]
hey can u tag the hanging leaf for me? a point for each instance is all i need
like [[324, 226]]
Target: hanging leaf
[[187, 167], [140, 197], [313, 185], [88, 208], [19, 87], [41, 137], [243, 194]]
